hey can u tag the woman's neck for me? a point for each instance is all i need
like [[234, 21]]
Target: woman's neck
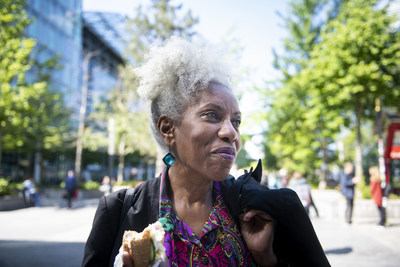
[[191, 198], [190, 188]]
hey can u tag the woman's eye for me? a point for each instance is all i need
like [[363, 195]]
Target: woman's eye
[[236, 123], [211, 115]]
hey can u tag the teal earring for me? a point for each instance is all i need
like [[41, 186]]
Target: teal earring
[[169, 159]]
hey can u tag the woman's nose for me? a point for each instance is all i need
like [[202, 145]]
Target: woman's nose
[[227, 132]]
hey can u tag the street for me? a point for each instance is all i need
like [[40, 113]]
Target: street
[[55, 236], [360, 244], [45, 236]]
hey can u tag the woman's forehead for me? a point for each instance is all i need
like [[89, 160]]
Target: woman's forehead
[[216, 94]]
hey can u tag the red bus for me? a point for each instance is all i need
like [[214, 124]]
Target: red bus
[[392, 156]]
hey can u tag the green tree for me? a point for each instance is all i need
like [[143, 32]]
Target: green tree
[[356, 62], [15, 93], [294, 142], [48, 118], [154, 24]]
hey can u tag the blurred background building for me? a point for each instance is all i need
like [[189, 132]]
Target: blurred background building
[[105, 34], [62, 29], [57, 27]]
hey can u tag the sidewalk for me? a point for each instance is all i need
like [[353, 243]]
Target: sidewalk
[[331, 205], [362, 243], [48, 198]]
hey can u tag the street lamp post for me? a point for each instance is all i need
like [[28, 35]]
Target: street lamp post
[[111, 147], [82, 111]]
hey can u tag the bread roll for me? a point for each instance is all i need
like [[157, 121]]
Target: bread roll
[[146, 247]]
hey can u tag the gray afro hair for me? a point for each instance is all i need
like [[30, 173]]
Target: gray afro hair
[[173, 76]]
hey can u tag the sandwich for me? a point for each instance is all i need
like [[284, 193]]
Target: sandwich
[[145, 248]]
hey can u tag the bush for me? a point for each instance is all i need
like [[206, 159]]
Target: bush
[[364, 189], [5, 188], [365, 192], [8, 188], [131, 183], [90, 185]]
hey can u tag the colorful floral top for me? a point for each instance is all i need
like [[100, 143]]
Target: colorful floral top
[[220, 243]]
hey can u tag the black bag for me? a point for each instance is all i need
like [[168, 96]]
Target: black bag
[[387, 190], [65, 194]]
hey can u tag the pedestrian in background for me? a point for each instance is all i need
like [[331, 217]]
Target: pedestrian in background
[[71, 185], [283, 178], [312, 204], [376, 192], [30, 192], [106, 185], [347, 185], [300, 185]]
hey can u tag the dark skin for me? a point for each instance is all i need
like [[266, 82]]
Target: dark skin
[[205, 144]]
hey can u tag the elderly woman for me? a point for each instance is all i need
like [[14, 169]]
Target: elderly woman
[[212, 218]]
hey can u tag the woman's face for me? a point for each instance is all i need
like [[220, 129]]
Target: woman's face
[[208, 137]]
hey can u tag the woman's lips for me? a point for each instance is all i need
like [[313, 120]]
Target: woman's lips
[[227, 153]]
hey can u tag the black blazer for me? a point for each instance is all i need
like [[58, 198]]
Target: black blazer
[[295, 241]]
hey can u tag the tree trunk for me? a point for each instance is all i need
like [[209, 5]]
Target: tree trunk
[[111, 147], [37, 167], [322, 182], [121, 163], [358, 156], [82, 112]]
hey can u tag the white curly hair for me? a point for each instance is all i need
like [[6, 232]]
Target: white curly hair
[[173, 76]]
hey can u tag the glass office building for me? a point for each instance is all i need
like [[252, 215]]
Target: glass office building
[[57, 27], [105, 34]]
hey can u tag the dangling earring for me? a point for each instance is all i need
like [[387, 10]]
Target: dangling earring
[[169, 159]]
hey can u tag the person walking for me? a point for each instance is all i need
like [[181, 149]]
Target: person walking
[[376, 192], [300, 185], [106, 185], [312, 204], [30, 193], [347, 186], [71, 185]]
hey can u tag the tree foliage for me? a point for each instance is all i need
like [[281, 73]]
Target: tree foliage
[[295, 143], [32, 115], [333, 82], [15, 93], [49, 119], [356, 62]]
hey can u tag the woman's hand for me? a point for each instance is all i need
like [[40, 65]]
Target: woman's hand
[[257, 229], [127, 260]]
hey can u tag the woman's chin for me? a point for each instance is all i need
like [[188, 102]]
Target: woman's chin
[[221, 173]]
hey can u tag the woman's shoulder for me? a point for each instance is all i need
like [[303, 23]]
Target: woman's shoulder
[[119, 195], [140, 187]]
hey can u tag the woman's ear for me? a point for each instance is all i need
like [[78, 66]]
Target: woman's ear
[[166, 129]]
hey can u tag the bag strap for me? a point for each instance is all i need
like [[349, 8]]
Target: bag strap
[[128, 199], [126, 205]]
